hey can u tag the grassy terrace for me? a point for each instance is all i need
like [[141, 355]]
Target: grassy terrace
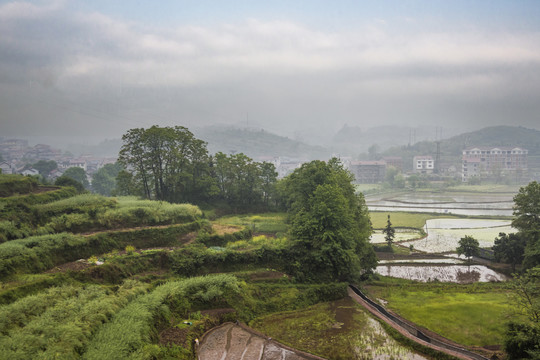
[[271, 223], [472, 315], [404, 219]]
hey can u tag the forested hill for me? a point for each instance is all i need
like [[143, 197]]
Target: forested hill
[[256, 143]]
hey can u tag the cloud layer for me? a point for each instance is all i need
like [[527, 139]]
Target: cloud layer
[[67, 71]]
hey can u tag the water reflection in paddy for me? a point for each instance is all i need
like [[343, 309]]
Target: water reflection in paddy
[[451, 273]]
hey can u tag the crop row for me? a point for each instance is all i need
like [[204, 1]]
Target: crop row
[[39, 253], [59, 322], [135, 326]]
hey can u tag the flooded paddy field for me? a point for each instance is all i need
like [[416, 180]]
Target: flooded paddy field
[[401, 235], [472, 204], [336, 330], [443, 235], [461, 274]]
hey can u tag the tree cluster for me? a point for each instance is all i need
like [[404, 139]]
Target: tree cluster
[[169, 163]]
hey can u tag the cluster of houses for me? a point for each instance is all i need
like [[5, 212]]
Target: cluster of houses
[[476, 162], [18, 158]]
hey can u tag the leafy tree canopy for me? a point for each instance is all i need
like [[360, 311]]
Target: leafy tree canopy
[[78, 174], [468, 246], [104, 180], [509, 248], [329, 222], [527, 221]]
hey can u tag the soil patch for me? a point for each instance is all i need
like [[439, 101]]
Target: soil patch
[[70, 266], [173, 336], [266, 275], [225, 229]]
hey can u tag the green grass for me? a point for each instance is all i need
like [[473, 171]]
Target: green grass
[[485, 188], [472, 315], [404, 219], [367, 187], [265, 222]]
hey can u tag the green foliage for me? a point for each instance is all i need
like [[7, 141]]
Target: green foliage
[[168, 164], [522, 340], [68, 181], [244, 183], [329, 223], [389, 233], [468, 246], [468, 314], [58, 323], [509, 249], [83, 203], [78, 174], [527, 221], [104, 180], [134, 327], [130, 249], [222, 240], [39, 253], [16, 184], [272, 223]]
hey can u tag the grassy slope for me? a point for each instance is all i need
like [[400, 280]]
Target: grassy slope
[[472, 315]]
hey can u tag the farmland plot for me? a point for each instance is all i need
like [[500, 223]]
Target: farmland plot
[[401, 235], [444, 234], [452, 273]]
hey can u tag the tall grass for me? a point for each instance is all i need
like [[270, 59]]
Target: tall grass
[[83, 203], [264, 222], [134, 327], [59, 323], [16, 184]]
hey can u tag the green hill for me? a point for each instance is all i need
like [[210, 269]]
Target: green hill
[[256, 143], [451, 148]]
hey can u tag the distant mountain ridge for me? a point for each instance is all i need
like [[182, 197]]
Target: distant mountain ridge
[[256, 143]]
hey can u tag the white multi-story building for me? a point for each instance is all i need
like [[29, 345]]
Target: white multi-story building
[[489, 161], [423, 164]]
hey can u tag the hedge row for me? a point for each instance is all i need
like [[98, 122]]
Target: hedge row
[[222, 240], [134, 327], [16, 184], [39, 253]]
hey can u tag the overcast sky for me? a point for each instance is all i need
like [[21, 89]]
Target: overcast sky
[[97, 68]]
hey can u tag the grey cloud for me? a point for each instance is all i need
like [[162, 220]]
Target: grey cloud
[[76, 72]]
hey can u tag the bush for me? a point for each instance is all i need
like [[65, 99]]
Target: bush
[[16, 184]]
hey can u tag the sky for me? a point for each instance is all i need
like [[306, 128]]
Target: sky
[[94, 69]]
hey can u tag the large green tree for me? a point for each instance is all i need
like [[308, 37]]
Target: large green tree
[[329, 223], [527, 221], [242, 182], [468, 246], [509, 248], [167, 163]]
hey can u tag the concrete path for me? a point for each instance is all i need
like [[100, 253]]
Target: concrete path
[[238, 342]]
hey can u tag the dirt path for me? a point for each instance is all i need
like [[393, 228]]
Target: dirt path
[[238, 342]]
